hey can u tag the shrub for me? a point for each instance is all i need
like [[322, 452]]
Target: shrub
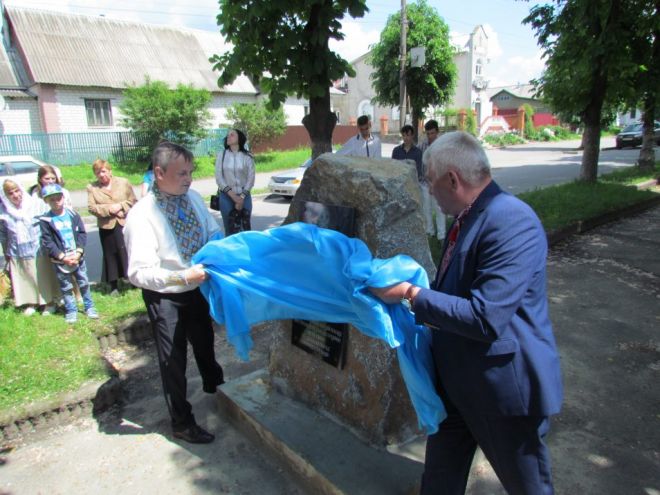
[[257, 121], [506, 139], [470, 122]]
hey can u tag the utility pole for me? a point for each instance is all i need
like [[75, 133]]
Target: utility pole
[[402, 70]]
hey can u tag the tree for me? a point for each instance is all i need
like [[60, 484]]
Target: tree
[[284, 48], [588, 63], [432, 84], [258, 122], [645, 50], [179, 114]]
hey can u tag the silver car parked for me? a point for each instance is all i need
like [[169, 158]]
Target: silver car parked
[[287, 183]]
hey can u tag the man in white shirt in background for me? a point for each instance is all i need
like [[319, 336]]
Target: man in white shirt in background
[[364, 144], [429, 204], [162, 232]]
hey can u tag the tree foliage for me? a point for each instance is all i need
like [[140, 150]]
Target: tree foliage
[[257, 121], [470, 122], [180, 115], [589, 65], [430, 85], [284, 48]]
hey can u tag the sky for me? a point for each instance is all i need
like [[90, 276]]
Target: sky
[[513, 52]]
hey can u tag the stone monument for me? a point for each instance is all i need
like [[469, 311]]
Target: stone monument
[[367, 394]]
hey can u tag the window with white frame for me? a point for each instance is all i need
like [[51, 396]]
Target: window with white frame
[[478, 67], [99, 113]]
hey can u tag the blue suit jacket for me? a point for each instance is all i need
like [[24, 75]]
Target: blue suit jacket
[[493, 345]]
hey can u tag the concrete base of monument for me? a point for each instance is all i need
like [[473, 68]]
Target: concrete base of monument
[[326, 456]]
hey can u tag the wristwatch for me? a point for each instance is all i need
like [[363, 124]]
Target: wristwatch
[[407, 298]]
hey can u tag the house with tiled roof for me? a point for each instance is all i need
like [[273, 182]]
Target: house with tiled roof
[[62, 72]]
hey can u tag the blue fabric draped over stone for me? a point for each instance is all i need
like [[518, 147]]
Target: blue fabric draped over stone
[[300, 271]]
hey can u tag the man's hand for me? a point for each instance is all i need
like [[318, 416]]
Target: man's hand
[[394, 293], [195, 274]]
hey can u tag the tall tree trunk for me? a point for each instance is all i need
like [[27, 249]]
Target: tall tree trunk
[[593, 111], [591, 143], [320, 122], [646, 160]]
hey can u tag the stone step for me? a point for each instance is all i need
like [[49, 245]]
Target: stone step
[[326, 456]]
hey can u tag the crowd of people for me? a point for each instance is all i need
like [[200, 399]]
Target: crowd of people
[[43, 240], [496, 362]]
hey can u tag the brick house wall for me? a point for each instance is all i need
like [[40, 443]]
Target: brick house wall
[[20, 116]]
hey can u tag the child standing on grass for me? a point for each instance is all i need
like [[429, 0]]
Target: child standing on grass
[[63, 237], [32, 280]]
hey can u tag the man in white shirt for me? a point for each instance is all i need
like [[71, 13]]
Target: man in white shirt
[[364, 144], [162, 233], [429, 205]]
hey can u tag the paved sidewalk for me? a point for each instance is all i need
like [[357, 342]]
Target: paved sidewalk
[[604, 289]]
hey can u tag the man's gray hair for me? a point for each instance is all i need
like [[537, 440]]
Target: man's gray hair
[[166, 152], [460, 151]]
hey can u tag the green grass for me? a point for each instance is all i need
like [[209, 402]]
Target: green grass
[[630, 175], [77, 177], [281, 160], [42, 356], [560, 206]]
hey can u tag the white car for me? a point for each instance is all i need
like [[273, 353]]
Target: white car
[[287, 183], [20, 168]]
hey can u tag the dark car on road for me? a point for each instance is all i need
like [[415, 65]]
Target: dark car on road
[[631, 135]]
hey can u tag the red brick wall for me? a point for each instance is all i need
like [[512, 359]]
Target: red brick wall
[[297, 136], [539, 119]]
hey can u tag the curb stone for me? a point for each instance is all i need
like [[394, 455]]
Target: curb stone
[[556, 236], [89, 399]]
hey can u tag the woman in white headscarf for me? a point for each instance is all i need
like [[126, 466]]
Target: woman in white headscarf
[[33, 280]]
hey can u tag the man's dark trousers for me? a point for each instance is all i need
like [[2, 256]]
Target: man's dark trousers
[[514, 446], [177, 318]]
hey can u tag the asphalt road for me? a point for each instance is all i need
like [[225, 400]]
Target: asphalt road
[[516, 168]]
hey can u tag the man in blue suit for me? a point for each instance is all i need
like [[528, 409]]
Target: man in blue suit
[[495, 356]]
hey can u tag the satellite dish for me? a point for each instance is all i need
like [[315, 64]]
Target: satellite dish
[[417, 56]]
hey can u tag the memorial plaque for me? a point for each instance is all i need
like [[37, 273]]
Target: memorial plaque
[[339, 218], [325, 340]]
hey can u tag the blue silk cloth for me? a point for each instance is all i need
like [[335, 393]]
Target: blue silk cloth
[[300, 271]]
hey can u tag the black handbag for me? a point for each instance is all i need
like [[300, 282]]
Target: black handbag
[[239, 221], [215, 202]]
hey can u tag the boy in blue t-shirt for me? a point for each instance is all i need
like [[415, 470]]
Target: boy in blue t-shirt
[[63, 237]]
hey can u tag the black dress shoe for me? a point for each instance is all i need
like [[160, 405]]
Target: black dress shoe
[[212, 388], [194, 434]]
